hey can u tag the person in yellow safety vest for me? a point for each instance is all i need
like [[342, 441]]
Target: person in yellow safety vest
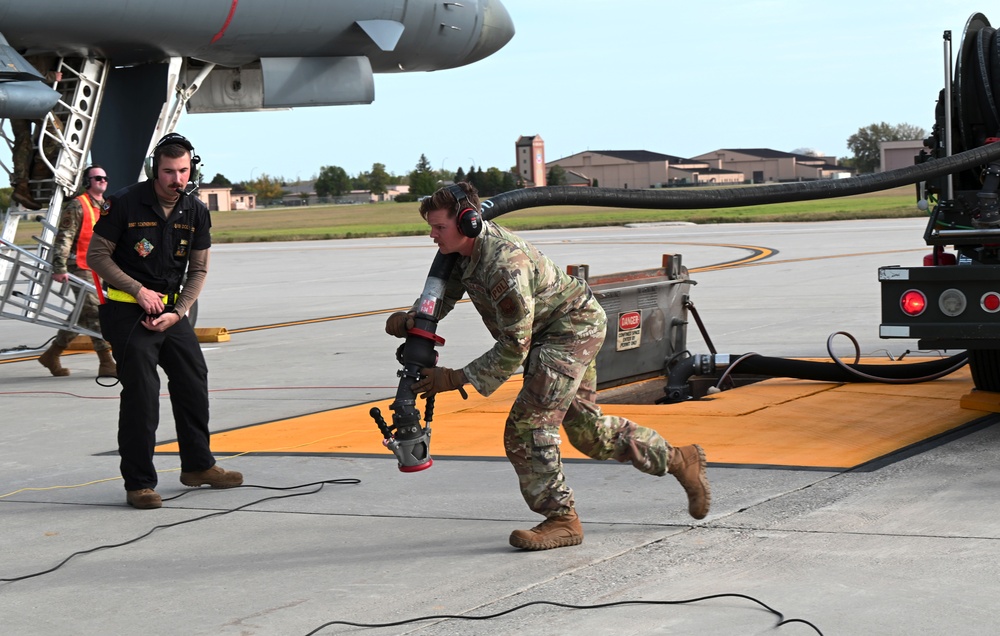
[[69, 256]]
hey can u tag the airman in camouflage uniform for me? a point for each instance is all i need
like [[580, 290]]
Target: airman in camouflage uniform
[[65, 250], [550, 323]]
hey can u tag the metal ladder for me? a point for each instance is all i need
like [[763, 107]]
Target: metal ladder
[[48, 303], [26, 290]]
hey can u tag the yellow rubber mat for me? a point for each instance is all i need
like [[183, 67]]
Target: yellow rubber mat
[[778, 422]]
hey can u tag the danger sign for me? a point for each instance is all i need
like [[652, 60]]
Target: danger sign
[[629, 320], [629, 330]]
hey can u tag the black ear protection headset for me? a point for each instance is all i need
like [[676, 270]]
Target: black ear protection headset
[[151, 164], [470, 223], [86, 177]]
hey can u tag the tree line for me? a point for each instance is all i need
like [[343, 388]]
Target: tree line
[[334, 181]]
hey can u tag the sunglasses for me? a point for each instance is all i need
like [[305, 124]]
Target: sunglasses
[[99, 178]]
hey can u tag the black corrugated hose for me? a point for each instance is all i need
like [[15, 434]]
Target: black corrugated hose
[[731, 197]]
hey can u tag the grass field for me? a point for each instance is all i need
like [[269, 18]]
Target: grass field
[[400, 219]]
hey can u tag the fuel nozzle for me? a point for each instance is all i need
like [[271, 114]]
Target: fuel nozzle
[[412, 451], [407, 438]]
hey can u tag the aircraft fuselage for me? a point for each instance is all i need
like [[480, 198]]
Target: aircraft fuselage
[[408, 35]]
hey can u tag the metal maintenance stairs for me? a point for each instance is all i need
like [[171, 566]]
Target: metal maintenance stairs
[[61, 146]]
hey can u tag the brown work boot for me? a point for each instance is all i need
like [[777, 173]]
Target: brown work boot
[[215, 477], [557, 532], [22, 195], [687, 464], [50, 360], [107, 368], [145, 499]]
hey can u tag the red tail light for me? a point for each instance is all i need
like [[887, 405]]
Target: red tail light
[[990, 302], [913, 302]]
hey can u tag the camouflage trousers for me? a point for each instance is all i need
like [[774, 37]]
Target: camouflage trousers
[[21, 152], [88, 317], [560, 387], [25, 163]]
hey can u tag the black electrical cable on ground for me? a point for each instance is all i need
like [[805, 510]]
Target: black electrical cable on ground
[[319, 485], [781, 618], [26, 347], [956, 362]]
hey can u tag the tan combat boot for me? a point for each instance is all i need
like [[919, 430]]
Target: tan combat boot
[[50, 360], [144, 499], [107, 368], [687, 464], [216, 477], [557, 532]]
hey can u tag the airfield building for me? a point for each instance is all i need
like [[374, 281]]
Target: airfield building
[[644, 169], [898, 154], [763, 165], [530, 164], [223, 198]]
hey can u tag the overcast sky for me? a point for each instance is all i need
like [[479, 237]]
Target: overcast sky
[[679, 78]]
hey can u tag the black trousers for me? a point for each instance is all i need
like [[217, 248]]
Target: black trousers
[[137, 352]]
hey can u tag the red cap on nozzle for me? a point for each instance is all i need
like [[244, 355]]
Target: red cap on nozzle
[[417, 468]]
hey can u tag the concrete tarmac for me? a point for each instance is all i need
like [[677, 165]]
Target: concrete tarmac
[[909, 546]]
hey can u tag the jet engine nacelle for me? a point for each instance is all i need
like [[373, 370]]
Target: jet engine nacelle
[[23, 94], [285, 82], [26, 100]]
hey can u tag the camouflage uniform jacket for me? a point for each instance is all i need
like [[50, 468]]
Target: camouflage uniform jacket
[[524, 299], [64, 245]]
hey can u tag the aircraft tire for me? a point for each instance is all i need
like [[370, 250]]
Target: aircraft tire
[[985, 367]]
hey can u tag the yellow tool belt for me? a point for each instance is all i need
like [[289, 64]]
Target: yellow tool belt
[[125, 297]]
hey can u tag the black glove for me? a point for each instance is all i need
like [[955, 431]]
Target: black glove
[[399, 323], [440, 379]]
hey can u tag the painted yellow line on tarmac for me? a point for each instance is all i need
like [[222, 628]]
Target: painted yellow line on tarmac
[[805, 259], [311, 321]]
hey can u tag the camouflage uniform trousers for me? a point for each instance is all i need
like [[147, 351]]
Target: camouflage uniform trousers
[[88, 317], [21, 152], [560, 387], [25, 163]]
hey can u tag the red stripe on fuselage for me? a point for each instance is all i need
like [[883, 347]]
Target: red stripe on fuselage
[[229, 18]]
